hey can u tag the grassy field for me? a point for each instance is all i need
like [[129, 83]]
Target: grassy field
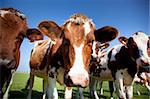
[[17, 90]]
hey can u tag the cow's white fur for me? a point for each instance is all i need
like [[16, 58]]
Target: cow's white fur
[[78, 69], [3, 13], [93, 49], [68, 93], [87, 28]]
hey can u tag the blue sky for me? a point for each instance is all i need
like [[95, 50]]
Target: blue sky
[[128, 16]]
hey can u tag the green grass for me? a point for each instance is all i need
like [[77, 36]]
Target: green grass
[[17, 90]]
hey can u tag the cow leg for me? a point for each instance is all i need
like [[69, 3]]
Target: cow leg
[[129, 90], [68, 92], [51, 89], [79, 94], [45, 85], [27, 84], [111, 88], [30, 86], [147, 86], [92, 86], [137, 89], [101, 87], [119, 86], [9, 85]]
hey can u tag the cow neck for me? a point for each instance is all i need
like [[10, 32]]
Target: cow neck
[[130, 63], [56, 58], [46, 60]]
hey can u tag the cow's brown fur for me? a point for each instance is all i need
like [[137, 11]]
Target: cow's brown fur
[[13, 29]]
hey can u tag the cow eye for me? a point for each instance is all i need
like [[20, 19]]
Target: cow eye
[[89, 44]]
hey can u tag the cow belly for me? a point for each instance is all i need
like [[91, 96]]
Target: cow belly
[[60, 76], [128, 80], [40, 73], [105, 75]]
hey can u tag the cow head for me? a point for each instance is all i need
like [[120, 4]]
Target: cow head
[[138, 46], [77, 35], [13, 28]]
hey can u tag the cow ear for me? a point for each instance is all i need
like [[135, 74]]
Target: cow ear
[[34, 35], [123, 40], [106, 34], [50, 29]]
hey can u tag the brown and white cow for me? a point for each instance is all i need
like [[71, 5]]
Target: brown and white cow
[[121, 64], [13, 29], [65, 57]]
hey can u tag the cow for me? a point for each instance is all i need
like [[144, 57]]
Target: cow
[[65, 56], [121, 64], [13, 29]]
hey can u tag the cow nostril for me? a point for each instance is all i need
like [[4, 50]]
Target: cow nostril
[[86, 78], [68, 81]]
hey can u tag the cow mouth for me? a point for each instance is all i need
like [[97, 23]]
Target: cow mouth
[[142, 62], [69, 82], [7, 64]]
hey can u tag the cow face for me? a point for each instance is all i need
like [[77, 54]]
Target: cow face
[[78, 33], [13, 30], [138, 46]]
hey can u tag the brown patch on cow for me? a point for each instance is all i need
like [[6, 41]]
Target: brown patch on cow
[[50, 29], [87, 50]]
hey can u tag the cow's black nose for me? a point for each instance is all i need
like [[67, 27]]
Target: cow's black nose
[[68, 82]]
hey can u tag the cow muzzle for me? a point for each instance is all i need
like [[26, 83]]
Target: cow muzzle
[[142, 61], [77, 79], [6, 63]]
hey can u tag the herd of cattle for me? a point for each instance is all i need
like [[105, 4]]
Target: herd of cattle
[[73, 55]]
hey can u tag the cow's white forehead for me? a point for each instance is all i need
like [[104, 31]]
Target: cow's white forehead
[[141, 39], [140, 36], [4, 12]]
